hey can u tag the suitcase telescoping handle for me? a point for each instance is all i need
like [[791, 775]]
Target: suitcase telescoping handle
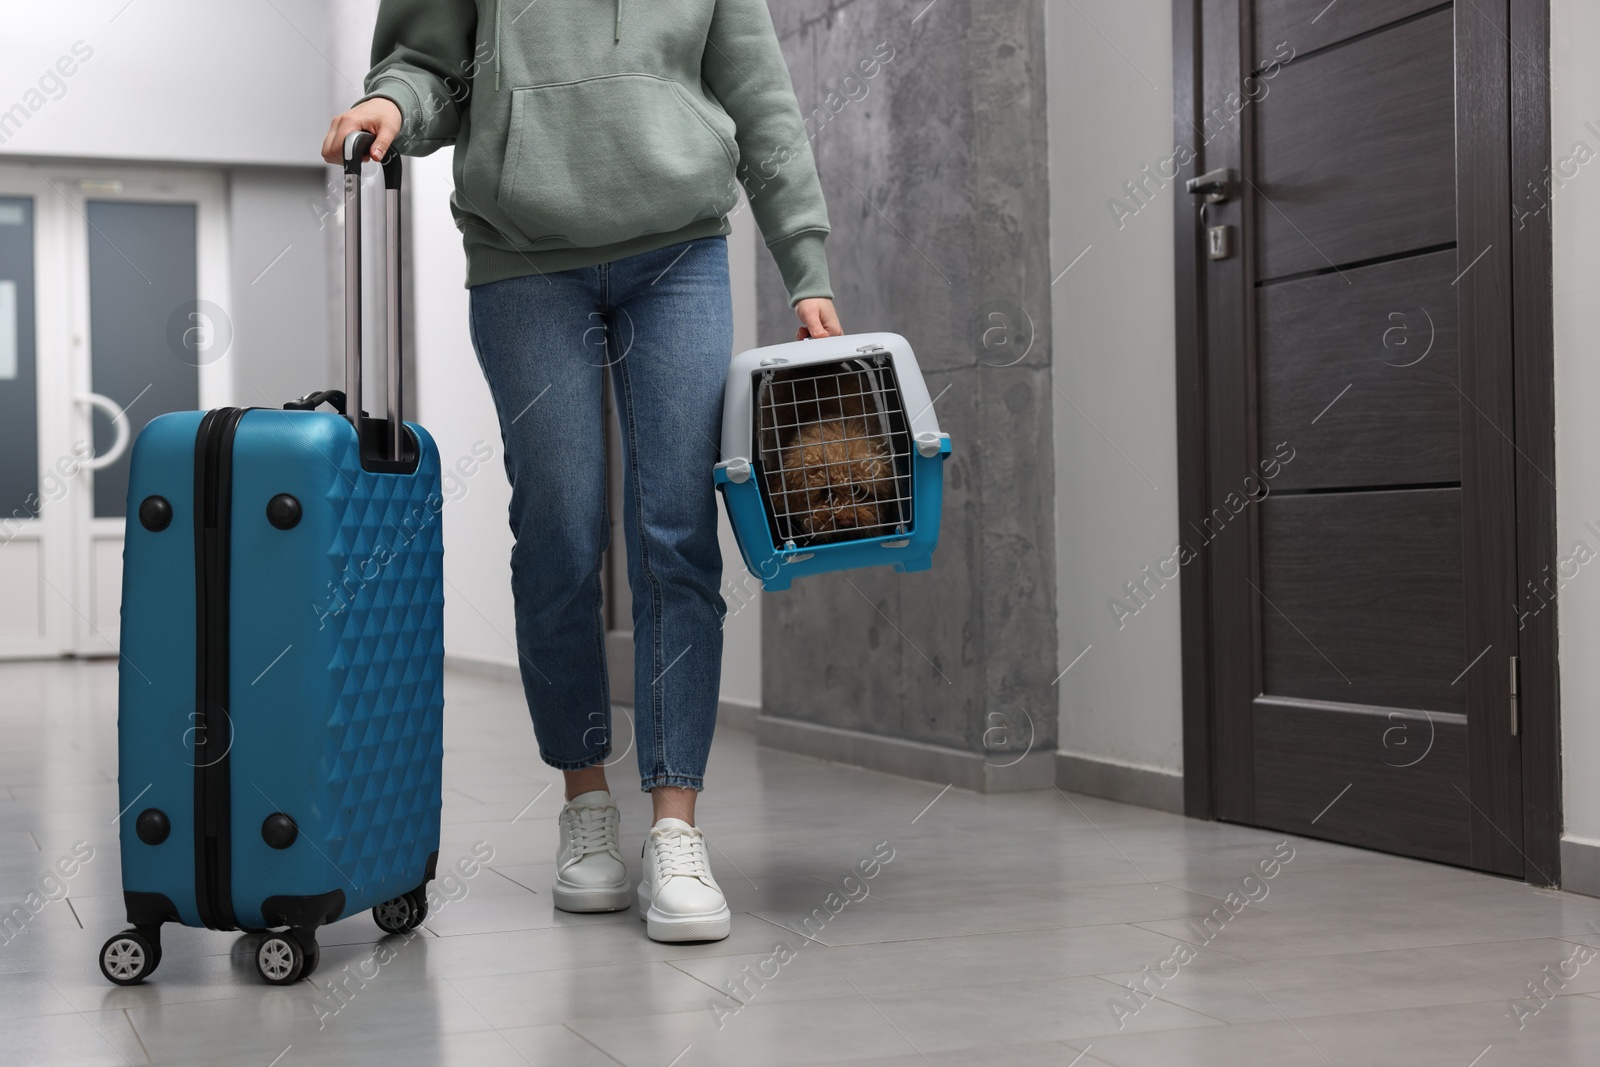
[[357, 148]]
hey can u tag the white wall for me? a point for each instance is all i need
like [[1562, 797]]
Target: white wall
[[183, 80], [278, 240], [1575, 93], [453, 402], [1110, 114]]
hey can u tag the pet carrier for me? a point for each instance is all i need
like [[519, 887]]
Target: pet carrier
[[835, 458]]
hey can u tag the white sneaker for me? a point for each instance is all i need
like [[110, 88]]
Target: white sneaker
[[678, 898], [589, 871]]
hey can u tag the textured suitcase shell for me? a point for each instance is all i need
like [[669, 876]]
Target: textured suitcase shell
[[335, 667]]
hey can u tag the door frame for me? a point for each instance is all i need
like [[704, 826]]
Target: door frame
[[1532, 325], [67, 528]]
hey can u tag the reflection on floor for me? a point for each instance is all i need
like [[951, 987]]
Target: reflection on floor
[[1006, 931]]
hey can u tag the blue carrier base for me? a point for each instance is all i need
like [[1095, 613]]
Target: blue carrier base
[[778, 565]]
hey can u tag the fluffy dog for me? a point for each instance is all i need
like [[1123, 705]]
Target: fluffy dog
[[833, 476]]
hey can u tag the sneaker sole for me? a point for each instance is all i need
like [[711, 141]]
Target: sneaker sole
[[659, 927], [583, 900], [672, 930]]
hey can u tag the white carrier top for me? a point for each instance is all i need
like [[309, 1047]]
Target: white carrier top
[[744, 371]]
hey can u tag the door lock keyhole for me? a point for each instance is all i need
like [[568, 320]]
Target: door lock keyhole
[[1219, 242]]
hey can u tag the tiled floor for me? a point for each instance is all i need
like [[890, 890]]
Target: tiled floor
[[1001, 932]]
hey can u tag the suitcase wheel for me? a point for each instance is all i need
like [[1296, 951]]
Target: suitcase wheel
[[287, 957], [402, 914], [129, 957]]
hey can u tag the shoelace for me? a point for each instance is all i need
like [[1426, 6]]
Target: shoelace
[[591, 830], [681, 852]]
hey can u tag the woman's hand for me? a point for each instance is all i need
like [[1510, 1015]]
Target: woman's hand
[[817, 319], [378, 116]]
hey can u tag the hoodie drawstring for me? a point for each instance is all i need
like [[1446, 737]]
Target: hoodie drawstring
[[617, 37]]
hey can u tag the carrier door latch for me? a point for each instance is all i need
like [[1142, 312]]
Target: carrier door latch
[[1516, 697], [737, 470]]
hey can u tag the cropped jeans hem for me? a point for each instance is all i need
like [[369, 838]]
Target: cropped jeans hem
[[682, 781], [575, 765]]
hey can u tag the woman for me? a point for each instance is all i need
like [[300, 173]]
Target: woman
[[597, 143]]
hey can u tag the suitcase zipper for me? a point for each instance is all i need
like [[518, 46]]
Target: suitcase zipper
[[213, 733]]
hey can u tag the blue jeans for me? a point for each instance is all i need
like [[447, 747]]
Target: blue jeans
[[661, 323]]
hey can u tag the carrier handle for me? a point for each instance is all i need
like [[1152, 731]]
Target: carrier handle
[[357, 147]]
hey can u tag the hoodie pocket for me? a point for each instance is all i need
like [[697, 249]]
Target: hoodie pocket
[[608, 159]]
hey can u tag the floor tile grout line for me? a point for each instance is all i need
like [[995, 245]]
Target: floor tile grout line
[[592, 1045], [720, 992], [892, 1026], [90, 1023], [1165, 1000], [126, 1014], [1339, 1014], [797, 933], [475, 1010], [513, 881], [985, 933], [1335, 955], [1184, 941], [514, 1049]]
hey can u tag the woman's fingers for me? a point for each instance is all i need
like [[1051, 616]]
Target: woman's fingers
[[817, 319], [385, 129], [810, 321], [378, 116], [330, 143], [830, 320], [343, 126]]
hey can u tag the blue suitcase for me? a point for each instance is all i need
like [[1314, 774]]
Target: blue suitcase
[[280, 686]]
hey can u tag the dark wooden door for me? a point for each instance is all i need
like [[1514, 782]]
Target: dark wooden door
[[1357, 511]]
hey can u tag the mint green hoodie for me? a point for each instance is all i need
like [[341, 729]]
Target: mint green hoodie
[[590, 130]]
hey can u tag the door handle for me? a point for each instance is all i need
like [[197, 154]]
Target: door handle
[[115, 413], [1217, 186]]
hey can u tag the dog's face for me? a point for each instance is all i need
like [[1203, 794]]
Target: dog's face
[[835, 480]]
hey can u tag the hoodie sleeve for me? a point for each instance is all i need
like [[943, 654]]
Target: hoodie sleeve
[[744, 68], [423, 59]]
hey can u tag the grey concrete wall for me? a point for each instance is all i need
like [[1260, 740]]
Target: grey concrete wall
[[935, 172]]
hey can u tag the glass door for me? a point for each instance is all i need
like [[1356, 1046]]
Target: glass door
[[29, 623], [126, 324]]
